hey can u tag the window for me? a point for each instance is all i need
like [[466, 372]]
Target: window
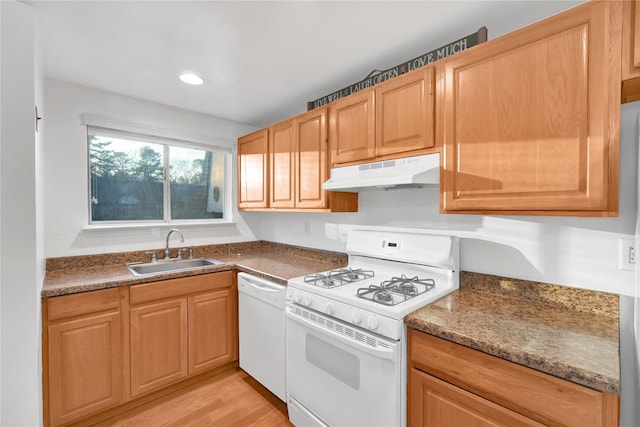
[[128, 179]]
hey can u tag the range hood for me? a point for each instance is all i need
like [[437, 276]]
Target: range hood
[[407, 172]]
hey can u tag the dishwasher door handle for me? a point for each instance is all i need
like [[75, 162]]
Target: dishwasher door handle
[[260, 287]]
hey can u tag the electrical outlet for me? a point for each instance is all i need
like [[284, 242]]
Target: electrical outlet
[[628, 254], [307, 228]]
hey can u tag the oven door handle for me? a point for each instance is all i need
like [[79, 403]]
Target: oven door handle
[[381, 353]]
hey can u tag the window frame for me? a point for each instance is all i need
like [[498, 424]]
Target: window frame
[[166, 142]]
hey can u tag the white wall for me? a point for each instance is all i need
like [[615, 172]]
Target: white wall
[[578, 252], [21, 271], [65, 169]]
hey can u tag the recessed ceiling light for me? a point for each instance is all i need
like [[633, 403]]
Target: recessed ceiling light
[[191, 79]]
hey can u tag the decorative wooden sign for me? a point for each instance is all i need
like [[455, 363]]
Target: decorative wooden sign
[[373, 79]]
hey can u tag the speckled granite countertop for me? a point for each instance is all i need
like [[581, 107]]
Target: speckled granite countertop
[[277, 262], [569, 333], [566, 332]]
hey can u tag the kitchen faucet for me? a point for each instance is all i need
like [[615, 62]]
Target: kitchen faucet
[[166, 250]]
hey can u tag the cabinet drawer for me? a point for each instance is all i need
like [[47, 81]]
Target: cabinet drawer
[[536, 395], [83, 303], [139, 294], [437, 403]]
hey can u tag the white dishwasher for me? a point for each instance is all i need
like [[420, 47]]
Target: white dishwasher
[[261, 329]]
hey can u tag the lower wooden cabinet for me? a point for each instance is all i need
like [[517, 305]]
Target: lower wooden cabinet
[[158, 345], [453, 385], [85, 355], [105, 348], [212, 320], [181, 327], [437, 403]]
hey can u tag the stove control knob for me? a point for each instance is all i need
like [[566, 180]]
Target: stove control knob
[[306, 300], [296, 297], [356, 317], [329, 309], [372, 323]]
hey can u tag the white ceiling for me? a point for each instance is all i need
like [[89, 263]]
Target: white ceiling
[[262, 60]]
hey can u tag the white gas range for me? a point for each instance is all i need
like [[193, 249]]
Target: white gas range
[[346, 338]]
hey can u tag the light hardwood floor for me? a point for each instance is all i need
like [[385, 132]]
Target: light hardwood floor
[[232, 398]]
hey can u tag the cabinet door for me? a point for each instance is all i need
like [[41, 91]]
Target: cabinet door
[[85, 366], [311, 159], [531, 120], [253, 170], [630, 51], [282, 154], [352, 128], [212, 330], [433, 402], [405, 113], [631, 40], [158, 345]]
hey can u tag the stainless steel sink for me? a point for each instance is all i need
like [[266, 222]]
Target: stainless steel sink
[[162, 266]]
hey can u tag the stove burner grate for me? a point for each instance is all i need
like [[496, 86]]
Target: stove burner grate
[[335, 278], [396, 290]]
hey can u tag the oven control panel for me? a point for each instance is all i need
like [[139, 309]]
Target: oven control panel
[[382, 325]]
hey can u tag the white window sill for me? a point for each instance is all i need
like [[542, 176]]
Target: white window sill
[[156, 226]]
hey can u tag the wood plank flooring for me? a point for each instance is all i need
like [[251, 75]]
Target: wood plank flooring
[[232, 398]]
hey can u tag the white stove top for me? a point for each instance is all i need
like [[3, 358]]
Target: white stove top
[[445, 282], [430, 259]]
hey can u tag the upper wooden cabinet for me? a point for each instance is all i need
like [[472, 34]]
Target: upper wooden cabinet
[[297, 154], [526, 124], [393, 118], [253, 170], [282, 161], [530, 120], [352, 128], [405, 113], [630, 51], [311, 167]]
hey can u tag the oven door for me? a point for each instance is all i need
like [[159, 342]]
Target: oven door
[[339, 375]]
